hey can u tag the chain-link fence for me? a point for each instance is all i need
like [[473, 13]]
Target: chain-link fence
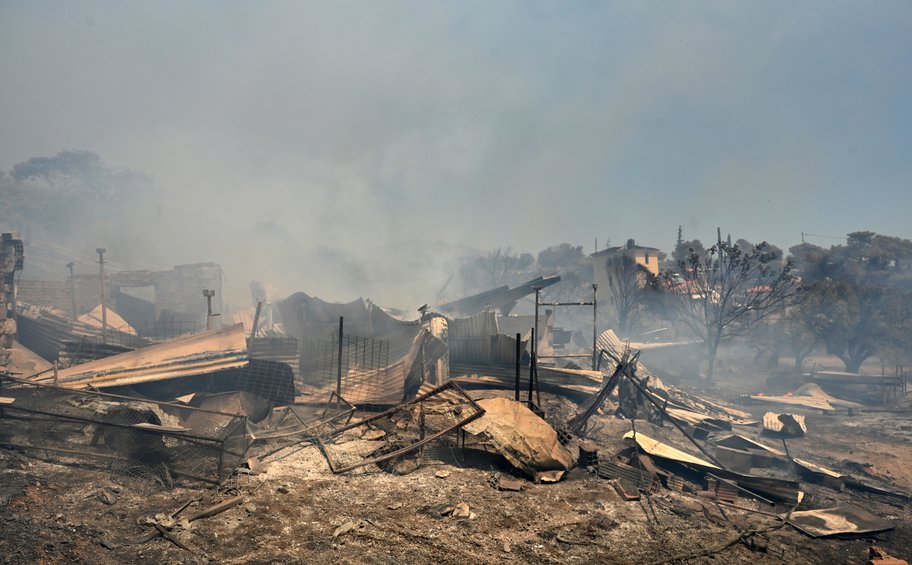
[[357, 369], [282, 349]]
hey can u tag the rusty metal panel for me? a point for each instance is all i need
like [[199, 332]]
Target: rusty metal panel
[[847, 519], [644, 480], [196, 354], [786, 424]]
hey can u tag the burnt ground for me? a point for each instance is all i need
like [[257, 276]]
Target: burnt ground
[[71, 514]]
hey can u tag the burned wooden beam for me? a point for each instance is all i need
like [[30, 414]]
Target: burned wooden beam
[[216, 508]]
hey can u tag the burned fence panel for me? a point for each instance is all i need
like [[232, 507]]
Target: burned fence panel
[[139, 438], [357, 369], [269, 379], [283, 349]]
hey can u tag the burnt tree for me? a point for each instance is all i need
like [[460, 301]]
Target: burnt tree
[[627, 283], [728, 292], [854, 321]]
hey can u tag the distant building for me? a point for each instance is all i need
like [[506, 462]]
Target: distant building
[[648, 257]]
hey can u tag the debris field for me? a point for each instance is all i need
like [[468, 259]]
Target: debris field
[[321, 432]]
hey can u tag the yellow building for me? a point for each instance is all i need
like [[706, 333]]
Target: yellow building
[[648, 257]]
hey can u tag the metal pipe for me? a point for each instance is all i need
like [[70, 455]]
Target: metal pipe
[[70, 266], [339, 364], [104, 307], [208, 294], [531, 368], [594, 327], [535, 329], [518, 355]]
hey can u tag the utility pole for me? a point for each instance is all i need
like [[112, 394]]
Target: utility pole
[[594, 326], [208, 294], [104, 308], [70, 266], [720, 267]]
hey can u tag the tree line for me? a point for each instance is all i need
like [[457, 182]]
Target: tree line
[[852, 300]]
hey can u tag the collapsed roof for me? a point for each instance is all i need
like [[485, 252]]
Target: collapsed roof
[[502, 298]]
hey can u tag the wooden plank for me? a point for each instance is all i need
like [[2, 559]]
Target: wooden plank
[[217, 508]]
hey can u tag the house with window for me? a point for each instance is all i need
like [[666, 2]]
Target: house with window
[[648, 257]]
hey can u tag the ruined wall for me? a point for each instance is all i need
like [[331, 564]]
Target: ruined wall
[[56, 294], [180, 290], [178, 293], [11, 260]]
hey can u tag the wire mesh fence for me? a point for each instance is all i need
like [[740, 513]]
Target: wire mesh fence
[[282, 349], [355, 368], [155, 444]]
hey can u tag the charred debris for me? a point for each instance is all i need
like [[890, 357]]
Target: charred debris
[[158, 395]]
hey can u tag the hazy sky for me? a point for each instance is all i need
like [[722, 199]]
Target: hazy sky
[[360, 127]]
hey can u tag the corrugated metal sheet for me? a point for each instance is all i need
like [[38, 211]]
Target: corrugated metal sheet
[[609, 341], [784, 423], [512, 325], [803, 401], [283, 349], [659, 449], [476, 340], [502, 298], [307, 317], [113, 320], [26, 362], [44, 332], [77, 352], [479, 325], [847, 519], [196, 354], [42, 337]]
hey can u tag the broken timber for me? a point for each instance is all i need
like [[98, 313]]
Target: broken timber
[[578, 423]]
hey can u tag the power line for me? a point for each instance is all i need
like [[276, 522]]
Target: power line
[[804, 233]]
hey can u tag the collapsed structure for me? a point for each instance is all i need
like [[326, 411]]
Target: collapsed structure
[[372, 391]]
